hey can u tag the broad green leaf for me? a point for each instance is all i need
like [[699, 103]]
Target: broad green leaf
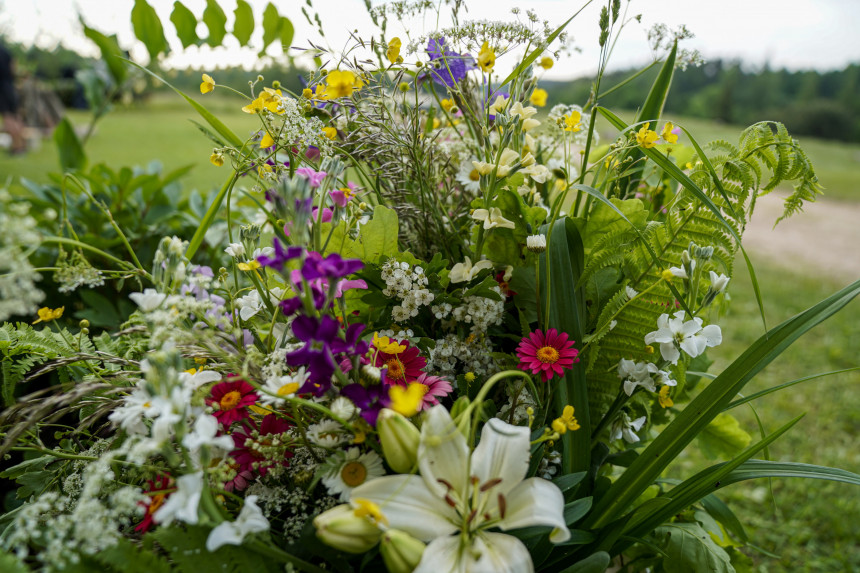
[[710, 402], [185, 23], [594, 563], [216, 23], [271, 26], [721, 512], [689, 549], [602, 217], [723, 437], [243, 26], [72, 155], [576, 510], [148, 29], [379, 235], [112, 56], [286, 33]]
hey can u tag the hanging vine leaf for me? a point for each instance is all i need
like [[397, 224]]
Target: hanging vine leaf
[[216, 22], [185, 23], [271, 26], [244, 22], [287, 32], [148, 29]]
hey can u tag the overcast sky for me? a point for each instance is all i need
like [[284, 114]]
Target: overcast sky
[[795, 34]]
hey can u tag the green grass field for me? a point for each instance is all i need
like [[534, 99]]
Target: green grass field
[[812, 525]]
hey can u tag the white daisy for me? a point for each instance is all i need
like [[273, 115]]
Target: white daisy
[[326, 434], [277, 388], [469, 177], [351, 469]]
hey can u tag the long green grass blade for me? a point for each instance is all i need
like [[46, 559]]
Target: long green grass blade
[[200, 233], [785, 385], [710, 402], [652, 109]]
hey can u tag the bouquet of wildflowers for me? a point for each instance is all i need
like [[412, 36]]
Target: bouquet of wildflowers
[[445, 330]]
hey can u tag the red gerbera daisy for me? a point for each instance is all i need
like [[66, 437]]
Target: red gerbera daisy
[[231, 400], [404, 367], [160, 486], [548, 354]]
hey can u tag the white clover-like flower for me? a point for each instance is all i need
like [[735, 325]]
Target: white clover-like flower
[[351, 469], [461, 495], [536, 243], [689, 336], [249, 520]]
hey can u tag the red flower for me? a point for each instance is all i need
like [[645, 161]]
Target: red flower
[[437, 387], [548, 354], [251, 459], [159, 485], [231, 400], [404, 367]]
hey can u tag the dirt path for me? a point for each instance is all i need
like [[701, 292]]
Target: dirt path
[[825, 237]]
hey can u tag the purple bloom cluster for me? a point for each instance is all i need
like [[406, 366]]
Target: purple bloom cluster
[[370, 400], [281, 256], [447, 67], [322, 343]]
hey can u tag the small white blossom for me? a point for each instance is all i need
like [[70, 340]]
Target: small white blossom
[[148, 300], [624, 428], [250, 520], [182, 504], [690, 336]]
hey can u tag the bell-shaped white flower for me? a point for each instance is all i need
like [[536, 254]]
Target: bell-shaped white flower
[[689, 336], [718, 282], [493, 218], [250, 520], [465, 271], [460, 495]]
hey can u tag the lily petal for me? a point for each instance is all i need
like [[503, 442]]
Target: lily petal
[[536, 501], [503, 453], [442, 554], [498, 553], [443, 453]]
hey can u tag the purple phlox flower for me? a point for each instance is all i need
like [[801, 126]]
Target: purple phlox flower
[[370, 400], [290, 305], [447, 67], [330, 267], [326, 214], [281, 255], [352, 344], [313, 177], [319, 287], [318, 336], [340, 198]]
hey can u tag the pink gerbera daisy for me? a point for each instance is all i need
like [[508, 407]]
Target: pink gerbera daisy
[[230, 401], [437, 387], [548, 354]]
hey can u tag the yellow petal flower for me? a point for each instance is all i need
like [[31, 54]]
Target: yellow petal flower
[[216, 159], [266, 141], [249, 266], [307, 93], [208, 84], [486, 57], [393, 52], [47, 315], [573, 121], [447, 104], [667, 134], [407, 401], [330, 132], [538, 97], [341, 84], [546, 63], [368, 509], [663, 397], [645, 137]]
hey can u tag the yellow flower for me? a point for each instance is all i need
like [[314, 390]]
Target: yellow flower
[[370, 510], [667, 134], [667, 275], [307, 93], [486, 58], [647, 138], [386, 345], [341, 84], [663, 396], [573, 121], [216, 159], [268, 99], [266, 141], [47, 315], [546, 62], [566, 421], [469, 377], [208, 84], [330, 132], [264, 169], [407, 401], [249, 266], [538, 97], [447, 104], [393, 53]]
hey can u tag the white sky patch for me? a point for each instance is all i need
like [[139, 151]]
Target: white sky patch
[[794, 34]]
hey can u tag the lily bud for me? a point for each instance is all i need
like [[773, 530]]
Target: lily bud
[[400, 551], [340, 528], [399, 438]]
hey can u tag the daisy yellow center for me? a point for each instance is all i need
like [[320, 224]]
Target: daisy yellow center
[[353, 474], [396, 371], [230, 400], [548, 355], [155, 503], [474, 175], [287, 389]]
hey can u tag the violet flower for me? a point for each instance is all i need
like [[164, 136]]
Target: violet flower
[[447, 67], [315, 178], [370, 400], [318, 336], [281, 255], [330, 267]]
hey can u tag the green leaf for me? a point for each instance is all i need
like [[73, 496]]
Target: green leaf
[[778, 387], [216, 23], [148, 28], [11, 564], [690, 549], [652, 109], [112, 56], [72, 155], [271, 26], [723, 437], [594, 563], [710, 402], [721, 512], [185, 23], [286, 33], [576, 510], [379, 235], [243, 26], [755, 469]]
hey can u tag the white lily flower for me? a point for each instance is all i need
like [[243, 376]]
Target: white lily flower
[[250, 520], [235, 250], [493, 218], [198, 378], [719, 282], [690, 336], [460, 495], [205, 433], [182, 504], [622, 427], [463, 272], [148, 300], [636, 374]]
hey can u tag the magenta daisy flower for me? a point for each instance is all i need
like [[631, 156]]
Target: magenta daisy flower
[[230, 401], [403, 367], [437, 387], [548, 354]]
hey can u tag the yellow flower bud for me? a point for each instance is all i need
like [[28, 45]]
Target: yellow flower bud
[[399, 438], [342, 529], [400, 551]]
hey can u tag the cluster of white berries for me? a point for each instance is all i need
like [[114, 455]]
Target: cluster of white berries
[[407, 283]]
